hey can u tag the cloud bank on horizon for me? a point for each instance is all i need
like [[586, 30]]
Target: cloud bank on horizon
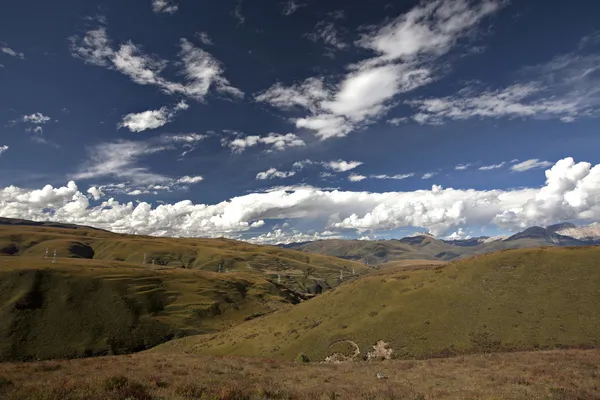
[[363, 121], [571, 192]]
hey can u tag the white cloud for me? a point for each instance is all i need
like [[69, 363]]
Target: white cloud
[[36, 129], [7, 50], [397, 177], [96, 193], [204, 38], [280, 236], [327, 33], [363, 94], [164, 6], [272, 173], [407, 49], [462, 167], [565, 88], [201, 70], [326, 126], [187, 138], [492, 166], [430, 28], [151, 119], [36, 118], [356, 178], [307, 94], [341, 165], [397, 121], [530, 164], [429, 175], [460, 234], [273, 142], [190, 179], [3, 149], [291, 6], [571, 193], [119, 159]]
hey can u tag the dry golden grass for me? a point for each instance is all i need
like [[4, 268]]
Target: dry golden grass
[[566, 374]]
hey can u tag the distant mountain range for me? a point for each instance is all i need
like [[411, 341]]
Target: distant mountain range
[[428, 247]]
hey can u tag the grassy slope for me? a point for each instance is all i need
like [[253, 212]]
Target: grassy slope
[[88, 307], [300, 271], [564, 374], [515, 299]]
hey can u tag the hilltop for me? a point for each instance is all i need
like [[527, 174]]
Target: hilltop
[[506, 301]]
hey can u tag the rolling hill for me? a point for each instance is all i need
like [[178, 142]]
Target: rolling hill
[[97, 296], [300, 271], [510, 300]]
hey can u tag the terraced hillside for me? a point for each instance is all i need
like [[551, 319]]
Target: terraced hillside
[[516, 299]]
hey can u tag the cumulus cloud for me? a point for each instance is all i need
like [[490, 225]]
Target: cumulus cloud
[[3, 149], [164, 6], [341, 165], [571, 193], [281, 236], [202, 71], [406, 50], [36, 118], [272, 173], [291, 6], [460, 234], [530, 164], [96, 193], [272, 142], [151, 119]]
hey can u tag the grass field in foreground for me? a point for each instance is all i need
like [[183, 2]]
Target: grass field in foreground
[[557, 375], [511, 300]]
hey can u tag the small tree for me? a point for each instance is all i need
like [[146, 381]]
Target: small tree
[[303, 358]]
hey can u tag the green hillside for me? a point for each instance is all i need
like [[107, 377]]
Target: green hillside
[[517, 299], [300, 271], [90, 307]]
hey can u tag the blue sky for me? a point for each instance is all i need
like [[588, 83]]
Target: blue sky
[[275, 121]]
